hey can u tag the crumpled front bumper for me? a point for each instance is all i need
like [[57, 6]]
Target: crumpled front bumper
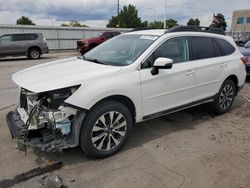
[[17, 127], [42, 138]]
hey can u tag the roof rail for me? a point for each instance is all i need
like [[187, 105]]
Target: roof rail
[[196, 29], [139, 29]]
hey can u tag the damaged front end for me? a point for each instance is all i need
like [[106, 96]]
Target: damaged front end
[[44, 121]]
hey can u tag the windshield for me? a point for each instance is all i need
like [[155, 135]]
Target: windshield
[[121, 50], [94, 34], [247, 45]]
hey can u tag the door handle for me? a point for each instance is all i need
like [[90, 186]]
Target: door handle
[[190, 72], [223, 65]]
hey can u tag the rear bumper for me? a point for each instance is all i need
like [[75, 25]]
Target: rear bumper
[[45, 50]]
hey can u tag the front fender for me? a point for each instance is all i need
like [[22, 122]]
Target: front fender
[[92, 92]]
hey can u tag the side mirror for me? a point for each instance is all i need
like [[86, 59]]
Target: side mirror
[[161, 63]]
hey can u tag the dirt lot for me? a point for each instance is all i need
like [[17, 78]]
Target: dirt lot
[[190, 149]]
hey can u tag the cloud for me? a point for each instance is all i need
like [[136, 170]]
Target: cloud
[[98, 12]]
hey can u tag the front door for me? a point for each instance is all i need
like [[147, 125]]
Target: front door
[[171, 87], [6, 47]]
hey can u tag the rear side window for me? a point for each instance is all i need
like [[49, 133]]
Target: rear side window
[[227, 48], [22, 37], [202, 48]]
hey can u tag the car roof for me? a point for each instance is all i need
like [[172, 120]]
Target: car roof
[[22, 34], [157, 32]]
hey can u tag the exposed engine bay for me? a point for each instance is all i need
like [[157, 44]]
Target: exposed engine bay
[[44, 121]]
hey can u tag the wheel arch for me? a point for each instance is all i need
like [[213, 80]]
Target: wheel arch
[[34, 47], [122, 99], [235, 80]]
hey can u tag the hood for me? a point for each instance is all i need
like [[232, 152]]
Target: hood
[[245, 51], [61, 74]]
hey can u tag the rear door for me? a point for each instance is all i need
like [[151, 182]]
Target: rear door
[[6, 45], [22, 42], [206, 56]]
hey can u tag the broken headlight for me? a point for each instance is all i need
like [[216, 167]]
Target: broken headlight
[[55, 98]]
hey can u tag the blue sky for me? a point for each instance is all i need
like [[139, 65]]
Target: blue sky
[[96, 13]]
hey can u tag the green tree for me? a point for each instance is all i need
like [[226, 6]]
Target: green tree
[[127, 18], [193, 22], [24, 21], [171, 23], [219, 21], [156, 25], [73, 24], [159, 24]]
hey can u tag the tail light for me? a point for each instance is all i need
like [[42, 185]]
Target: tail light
[[244, 60]]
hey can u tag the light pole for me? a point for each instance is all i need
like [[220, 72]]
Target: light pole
[[118, 10], [165, 10]]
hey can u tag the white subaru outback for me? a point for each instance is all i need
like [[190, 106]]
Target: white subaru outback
[[94, 100]]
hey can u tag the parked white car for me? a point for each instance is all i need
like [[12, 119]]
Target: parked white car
[[95, 100]]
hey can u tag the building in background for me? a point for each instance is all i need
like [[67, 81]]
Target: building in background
[[241, 21]]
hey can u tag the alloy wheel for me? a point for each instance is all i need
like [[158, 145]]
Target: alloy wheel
[[226, 96], [109, 131], [34, 54]]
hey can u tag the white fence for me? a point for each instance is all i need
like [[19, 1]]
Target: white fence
[[57, 37]]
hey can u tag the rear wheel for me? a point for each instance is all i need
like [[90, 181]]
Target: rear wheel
[[34, 53], [225, 97], [106, 129]]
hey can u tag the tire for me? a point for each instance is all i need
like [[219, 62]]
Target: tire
[[225, 98], [34, 53], [99, 137]]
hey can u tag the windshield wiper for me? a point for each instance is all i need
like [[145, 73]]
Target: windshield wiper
[[94, 60]]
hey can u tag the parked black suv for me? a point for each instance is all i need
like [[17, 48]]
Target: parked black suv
[[30, 44]]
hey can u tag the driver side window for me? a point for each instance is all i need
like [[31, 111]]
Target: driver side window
[[108, 35], [5, 39], [176, 49]]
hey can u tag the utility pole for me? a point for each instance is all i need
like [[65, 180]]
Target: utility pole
[[165, 10], [118, 10]]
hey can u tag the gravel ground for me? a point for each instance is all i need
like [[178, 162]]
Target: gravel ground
[[191, 148]]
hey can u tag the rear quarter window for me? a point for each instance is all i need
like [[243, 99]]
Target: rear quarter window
[[226, 47], [217, 50]]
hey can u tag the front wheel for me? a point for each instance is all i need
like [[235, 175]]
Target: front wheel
[[225, 97], [106, 129]]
